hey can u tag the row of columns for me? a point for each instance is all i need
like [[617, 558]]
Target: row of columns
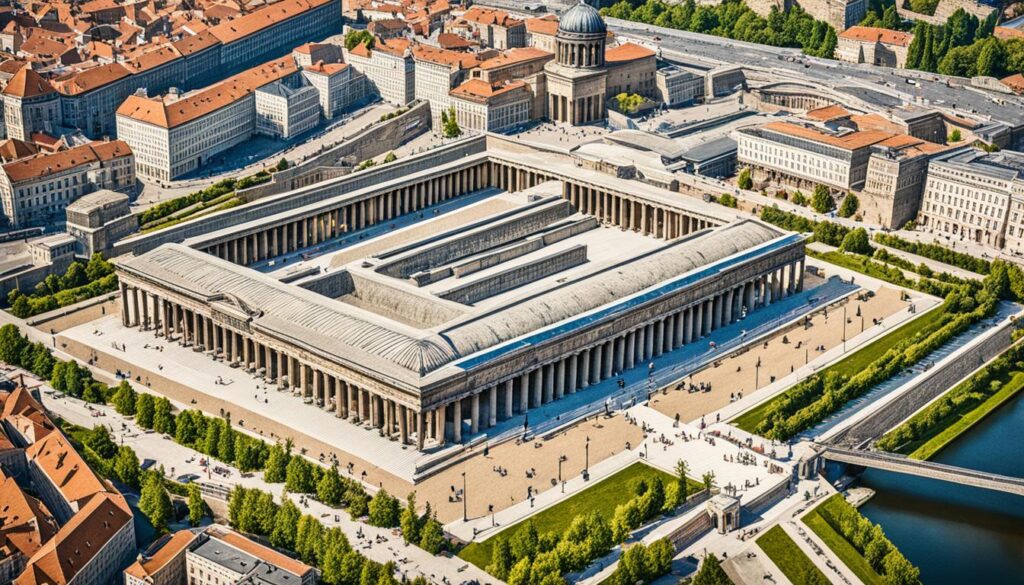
[[483, 408], [633, 214], [327, 224], [190, 328]]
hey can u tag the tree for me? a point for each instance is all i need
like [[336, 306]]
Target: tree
[[900, 571], [196, 505], [849, 205], [450, 125], [857, 242], [163, 420], [12, 343], [822, 201], [281, 164], [711, 572], [154, 502], [126, 466], [276, 469], [390, 157], [520, 573], [431, 536], [308, 535], [682, 468], [745, 181], [954, 136], [100, 442], [299, 478], [97, 267], [285, 524], [410, 520], [330, 489], [124, 399], [74, 276], [501, 559], [728, 200], [357, 37], [384, 509], [709, 480], [144, 410], [226, 443]]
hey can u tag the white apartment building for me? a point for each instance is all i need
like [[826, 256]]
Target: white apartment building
[[36, 190], [481, 106], [339, 86], [285, 110], [977, 196], [388, 67], [438, 71], [678, 86], [804, 156], [171, 139]]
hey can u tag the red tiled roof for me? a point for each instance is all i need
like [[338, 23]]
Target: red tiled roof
[[626, 52], [871, 34]]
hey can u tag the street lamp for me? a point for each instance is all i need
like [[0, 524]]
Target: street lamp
[[757, 373], [561, 458], [464, 514], [586, 464], [844, 328]]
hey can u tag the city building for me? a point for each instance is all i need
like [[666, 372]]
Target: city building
[[287, 108], [388, 67], [215, 556], [492, 28], [541, 32], [426, 345], [841, 14], [339, 86], [173, 138], [25, 524], [969, 195], [437, 72], [873, 45], [99, 219], [678, 86], [487, 107], [273, 30], [36, 190], [30, 105], [894, 184]]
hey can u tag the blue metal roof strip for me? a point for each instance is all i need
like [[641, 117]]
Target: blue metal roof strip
[[621, 306]]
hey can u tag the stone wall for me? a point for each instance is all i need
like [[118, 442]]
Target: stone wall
[[927, 388], [517, 276]]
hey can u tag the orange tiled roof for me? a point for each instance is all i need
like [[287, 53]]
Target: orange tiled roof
[[55, 456], [153, 59], [147, 567], [26, 83], [27, 415], [851, 141], [263, 18], [452, 41], [25, 523], [157, 112], [871, 34], [1014, 82], [78, 541], [483, 15], [196, 43], [91, 79], [13, 149], [513, 56], [828, 113], [547, 25], [454, 59], [396, 47], [626, 52], [42, 165], [326, 68], [481, 90]]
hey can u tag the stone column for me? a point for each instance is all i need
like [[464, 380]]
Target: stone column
[[572, 373], [492, 406], [560, 379], [403, 424], [420, 430], [508, 399], [524, 393], [126, 319], [440, 425], [549, 382], [687, 326], [474, 413], [135, 307], [728, 306], [585, 369], [630, 350], [340, 398], [457, 420]]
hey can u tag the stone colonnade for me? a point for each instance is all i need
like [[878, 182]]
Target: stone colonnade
[[483, 407], [302, 232]]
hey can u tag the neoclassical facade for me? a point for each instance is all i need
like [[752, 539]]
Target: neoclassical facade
[[577, 78], [439, 339]]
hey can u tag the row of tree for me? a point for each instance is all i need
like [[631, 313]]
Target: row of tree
[[870, 541], [79, 282], [528, 557], [954, 404], [735, 20], [815, 398], [254, 511]]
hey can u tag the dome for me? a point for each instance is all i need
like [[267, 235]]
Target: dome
[[582, 19]]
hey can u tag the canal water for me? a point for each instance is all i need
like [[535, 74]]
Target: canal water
[[958, 534]]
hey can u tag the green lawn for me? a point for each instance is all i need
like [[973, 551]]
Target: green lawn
[[841, 547], [854, 362], [602, 497], [792, 561], [937, 442]]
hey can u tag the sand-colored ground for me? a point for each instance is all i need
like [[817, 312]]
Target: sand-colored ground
[[608, 436], [737, 372], [91, 313]]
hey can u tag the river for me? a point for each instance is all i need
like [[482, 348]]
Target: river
[[958, 534]]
